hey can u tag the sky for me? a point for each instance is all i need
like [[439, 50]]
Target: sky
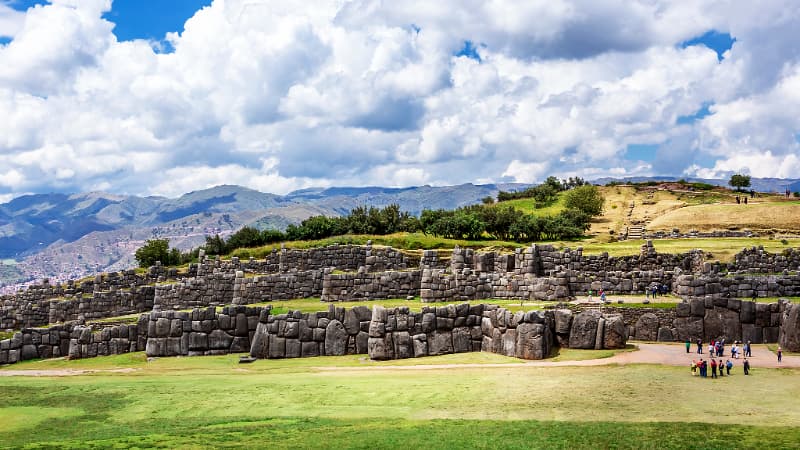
[[151, 97]]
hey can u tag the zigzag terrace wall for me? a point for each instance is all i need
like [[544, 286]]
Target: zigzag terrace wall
[[398, 333], [540, 272], [710, 318], [202, 331], [44, 304]]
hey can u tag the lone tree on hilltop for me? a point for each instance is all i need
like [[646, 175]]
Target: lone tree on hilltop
[[586, 198], [739, 181]]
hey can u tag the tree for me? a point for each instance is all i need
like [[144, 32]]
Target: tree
[[586, 198], [244, 238], [215, 245], [739, 181], [153, 250]]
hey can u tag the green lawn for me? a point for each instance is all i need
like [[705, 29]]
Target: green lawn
[[314, 304], [343, 403]]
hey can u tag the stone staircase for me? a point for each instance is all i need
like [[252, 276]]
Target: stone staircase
[[635, 232]]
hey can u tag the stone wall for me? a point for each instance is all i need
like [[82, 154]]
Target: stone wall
[[213, 289], [398, 333], [335, 332], [370, 286], [101, 305], [202, 331], [756, 259], [737, 285], [341, 257], [111, 340], [34, 343], [711, 318], [281, 286]]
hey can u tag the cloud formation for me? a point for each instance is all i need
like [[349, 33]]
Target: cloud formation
[[277, 96]]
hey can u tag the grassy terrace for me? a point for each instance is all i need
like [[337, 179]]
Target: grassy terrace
[[475, 400]]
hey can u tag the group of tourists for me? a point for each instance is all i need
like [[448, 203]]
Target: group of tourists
[[655, 290], [717, 348], [717, 367]]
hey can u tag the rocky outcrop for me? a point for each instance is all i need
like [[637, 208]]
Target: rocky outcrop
[[790, 328]]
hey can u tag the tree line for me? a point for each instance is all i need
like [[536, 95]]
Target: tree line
[[484, 221]]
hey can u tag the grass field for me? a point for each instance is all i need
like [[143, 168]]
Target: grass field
[[342, 402]]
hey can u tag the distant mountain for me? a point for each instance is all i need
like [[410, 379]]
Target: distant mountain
[[63, 235]]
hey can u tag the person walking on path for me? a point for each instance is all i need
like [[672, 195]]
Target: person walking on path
[[748, 351], [711, 349], [699, 346], [780, 353], [728, 366], [713, 368], [746, 367], [688, 345]]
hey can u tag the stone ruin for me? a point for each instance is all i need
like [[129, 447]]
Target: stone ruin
[[712, 307]]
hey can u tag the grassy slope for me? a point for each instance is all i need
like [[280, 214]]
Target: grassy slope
[[212, 401], [757, 216]]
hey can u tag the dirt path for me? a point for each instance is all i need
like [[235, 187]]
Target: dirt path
[[60, 372], [666, 354], [647, 353]]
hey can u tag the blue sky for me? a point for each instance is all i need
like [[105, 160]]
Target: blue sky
[[141, 19], [279, 95]]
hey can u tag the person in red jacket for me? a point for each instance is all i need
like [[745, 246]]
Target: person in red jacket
[[713, 368]]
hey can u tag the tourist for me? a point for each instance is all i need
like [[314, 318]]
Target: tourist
[[602, 296], [699, 346], [745, 200], [720, 365], [688, 345], [713, 368], [734, 350], [711, 347], [647, 292], [728, 366], [746, 367], [694, 368], [590, 296], [702, 366], [780, 353], [748, 350]]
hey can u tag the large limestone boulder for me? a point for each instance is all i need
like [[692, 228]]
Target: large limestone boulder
[[335, 339], [440, 343], [462, 341], [219, 340], [614, 333], [532, 343], [790, 329], [563, 318], [381, 348], [583, 333], [720, 322], [688, 328], [646, 328], [259, 348]]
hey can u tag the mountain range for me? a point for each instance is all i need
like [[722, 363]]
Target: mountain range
[[61, 236]]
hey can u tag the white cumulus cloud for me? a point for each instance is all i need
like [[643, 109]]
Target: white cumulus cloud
[[279, 95]]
